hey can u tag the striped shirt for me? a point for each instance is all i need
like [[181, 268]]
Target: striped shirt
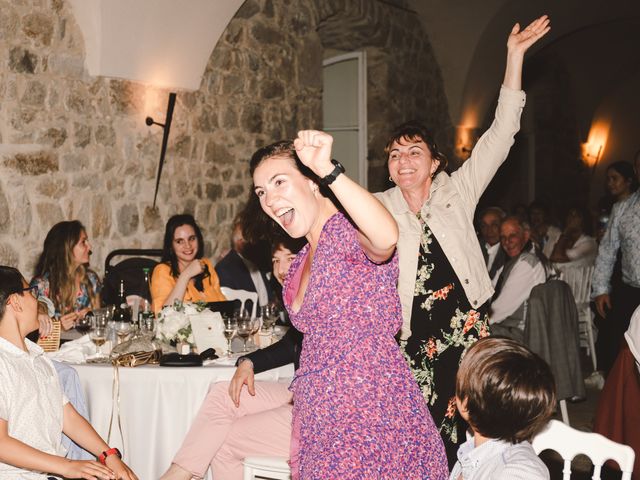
[[498, 460]]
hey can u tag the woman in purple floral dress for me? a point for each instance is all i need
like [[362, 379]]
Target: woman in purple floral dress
[[358, 412]]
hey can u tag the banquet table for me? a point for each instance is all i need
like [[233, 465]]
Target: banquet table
[[157, 405]]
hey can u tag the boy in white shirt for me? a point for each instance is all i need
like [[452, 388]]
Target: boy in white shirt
[[506, 393], [33, 410]]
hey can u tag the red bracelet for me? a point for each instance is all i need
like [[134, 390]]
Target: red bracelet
[[112, 451]]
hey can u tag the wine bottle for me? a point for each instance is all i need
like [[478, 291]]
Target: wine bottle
[[145, 314], [121, 313]]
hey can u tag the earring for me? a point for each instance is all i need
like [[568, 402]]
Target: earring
[[391, 179]]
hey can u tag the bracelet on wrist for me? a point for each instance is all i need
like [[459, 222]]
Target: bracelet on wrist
[[111, 451]]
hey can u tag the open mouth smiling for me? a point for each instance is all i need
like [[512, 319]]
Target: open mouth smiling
[[285, 215]]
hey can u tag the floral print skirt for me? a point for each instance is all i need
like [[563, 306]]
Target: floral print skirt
[[443, 326]]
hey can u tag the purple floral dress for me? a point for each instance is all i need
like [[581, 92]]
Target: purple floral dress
[[358, 413]]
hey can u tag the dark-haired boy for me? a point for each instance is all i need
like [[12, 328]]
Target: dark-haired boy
[[506, 393], [33, 410]]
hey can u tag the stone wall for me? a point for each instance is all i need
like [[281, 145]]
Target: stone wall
[[73, 146]]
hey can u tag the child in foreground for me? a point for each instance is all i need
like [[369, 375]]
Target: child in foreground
[[506, 393], [33, 410]]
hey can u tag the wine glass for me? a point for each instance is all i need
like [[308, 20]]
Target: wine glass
[[98, 335], [83, 324], [245, 327], [269, 318], [230, 327], [122, 330]]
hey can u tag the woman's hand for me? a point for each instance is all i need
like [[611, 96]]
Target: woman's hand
[[87, 469], [120, 469], [519, 41], [243, 376], [44, 320], [68, 320], [45, 325], [193, 269], [314, 150], [517, 44]]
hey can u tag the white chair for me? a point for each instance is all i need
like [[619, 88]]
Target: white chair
[[271, 468], [569, 442], [243, 296], [579, 280]]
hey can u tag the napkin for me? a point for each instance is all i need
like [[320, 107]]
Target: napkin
[[228, 360], [75, 351]]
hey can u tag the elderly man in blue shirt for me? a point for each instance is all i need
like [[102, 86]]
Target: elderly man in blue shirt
[[616, 307]]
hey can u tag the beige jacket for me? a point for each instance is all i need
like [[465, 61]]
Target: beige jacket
[[450, 208]]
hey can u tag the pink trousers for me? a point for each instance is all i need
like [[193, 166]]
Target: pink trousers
[[223, 435]]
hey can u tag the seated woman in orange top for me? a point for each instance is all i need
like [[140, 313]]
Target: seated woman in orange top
[[184, 274]]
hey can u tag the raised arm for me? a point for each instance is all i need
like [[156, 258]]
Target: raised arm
[[378, 230], [493, 146], [518, 43]]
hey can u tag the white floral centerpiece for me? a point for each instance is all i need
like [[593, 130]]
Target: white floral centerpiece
[[174, 323]]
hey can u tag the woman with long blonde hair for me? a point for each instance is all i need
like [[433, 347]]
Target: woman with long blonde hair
[[62, 274]]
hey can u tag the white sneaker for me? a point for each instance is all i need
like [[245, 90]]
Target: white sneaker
[[595, 380]]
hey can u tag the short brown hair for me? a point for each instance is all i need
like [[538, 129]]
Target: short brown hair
[[509, 391], [415, 132]]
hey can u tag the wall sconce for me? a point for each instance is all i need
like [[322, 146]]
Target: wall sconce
[[466, 138], [591, 154], [166, 126], [593, 148]]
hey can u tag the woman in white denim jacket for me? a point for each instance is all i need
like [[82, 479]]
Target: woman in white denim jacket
[[444, 286]]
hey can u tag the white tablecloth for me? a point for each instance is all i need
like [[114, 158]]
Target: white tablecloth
[[157, 406]]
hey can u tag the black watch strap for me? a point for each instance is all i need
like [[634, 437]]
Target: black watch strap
[[329, 179]]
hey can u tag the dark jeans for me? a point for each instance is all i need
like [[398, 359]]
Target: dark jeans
[[624, 300]]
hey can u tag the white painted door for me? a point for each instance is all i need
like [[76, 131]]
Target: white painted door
[[344, 107]]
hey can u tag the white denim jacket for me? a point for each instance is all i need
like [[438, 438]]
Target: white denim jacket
[[450, 208]]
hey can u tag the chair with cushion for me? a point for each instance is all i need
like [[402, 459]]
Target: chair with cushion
[[242, 296], [268, 468], [569, 442], [579, 280]]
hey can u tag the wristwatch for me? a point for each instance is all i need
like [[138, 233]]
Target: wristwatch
[[329, 179]]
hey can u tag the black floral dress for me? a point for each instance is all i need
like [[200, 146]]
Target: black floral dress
[[443, 325]]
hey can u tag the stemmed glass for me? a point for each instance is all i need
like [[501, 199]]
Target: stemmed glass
[[122, 330], [245, 327], [269, 318], [98, 335], [230, 327], [83, 324]]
